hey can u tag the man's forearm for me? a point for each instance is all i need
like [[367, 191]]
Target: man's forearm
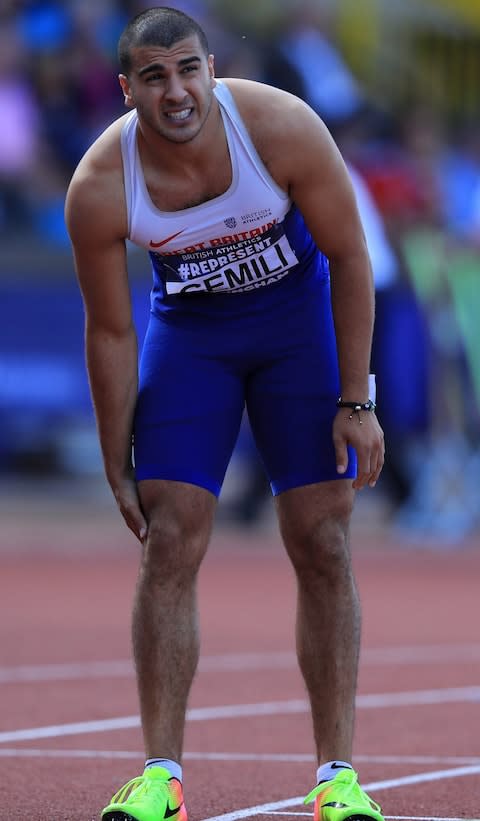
[[113, 374], [353, 305]]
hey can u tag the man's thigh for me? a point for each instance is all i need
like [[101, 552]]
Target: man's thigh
[[189, 408], [292, 400]]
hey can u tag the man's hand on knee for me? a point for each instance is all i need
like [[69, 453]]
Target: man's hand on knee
[[364, 434], [127, 499]]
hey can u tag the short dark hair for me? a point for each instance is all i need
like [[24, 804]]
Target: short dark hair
[[159, 26]]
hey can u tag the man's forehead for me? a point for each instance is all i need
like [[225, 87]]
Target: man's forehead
[[142, 56]]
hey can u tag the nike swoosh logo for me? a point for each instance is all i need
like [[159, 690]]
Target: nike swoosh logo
[[337, 804], [164, 241], [169, 812]]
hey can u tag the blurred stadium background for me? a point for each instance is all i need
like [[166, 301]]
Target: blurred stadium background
[[397, 82]]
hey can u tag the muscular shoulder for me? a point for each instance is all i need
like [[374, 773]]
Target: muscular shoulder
[[286, 132], [303, 158], [96, 196], [254, 98]]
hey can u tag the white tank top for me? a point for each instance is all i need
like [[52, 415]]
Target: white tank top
[[237, 242]]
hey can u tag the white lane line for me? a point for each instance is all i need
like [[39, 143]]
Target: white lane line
[[271, 808], [265, 708], [279, 758], [296, 814], [228, 662], [77, 728], [417, 778], [422, 654], [416, 697], [422, 778], [246, 661], [372, 701], [232, 662], [427, 818], [416, 759], [25, 752], [65, 672], [127, 722]]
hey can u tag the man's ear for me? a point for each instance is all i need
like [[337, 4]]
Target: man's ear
[[211, 70], [125, 86]]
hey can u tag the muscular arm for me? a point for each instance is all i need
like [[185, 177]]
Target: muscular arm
[[304, 160], [95, 223], [321, 188]]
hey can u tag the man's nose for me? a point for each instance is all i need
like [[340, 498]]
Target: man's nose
[[174, 89]]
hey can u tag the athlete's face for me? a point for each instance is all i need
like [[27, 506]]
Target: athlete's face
[[171, 88]]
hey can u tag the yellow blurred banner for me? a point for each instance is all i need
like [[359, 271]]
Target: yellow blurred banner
[[468, 10]]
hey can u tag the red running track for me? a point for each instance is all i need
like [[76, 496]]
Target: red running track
[[69, 734]]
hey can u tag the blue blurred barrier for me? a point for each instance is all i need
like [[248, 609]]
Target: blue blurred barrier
[[44, 394]]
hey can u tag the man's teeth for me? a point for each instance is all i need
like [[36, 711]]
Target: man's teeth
[[179, 115]]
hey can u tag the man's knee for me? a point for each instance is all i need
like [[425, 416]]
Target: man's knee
[[322, 548], [179, 525], [173, 546], [316, 533]]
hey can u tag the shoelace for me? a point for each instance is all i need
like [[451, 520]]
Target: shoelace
[[141, 785], [350, 779]]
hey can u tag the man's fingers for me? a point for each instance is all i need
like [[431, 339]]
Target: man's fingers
[[370, 466], [363, 474], [134, 518], [365, 435], [341, 455], [137, 525], [378, 469], [340, 442]]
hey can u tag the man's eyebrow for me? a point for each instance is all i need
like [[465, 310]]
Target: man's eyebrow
[[160, 67]]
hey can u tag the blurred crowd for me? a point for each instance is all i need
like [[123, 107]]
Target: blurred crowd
[[417, 179]]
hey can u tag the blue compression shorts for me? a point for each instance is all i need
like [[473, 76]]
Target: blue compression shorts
[[198, 372]]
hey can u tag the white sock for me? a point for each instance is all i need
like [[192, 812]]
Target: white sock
[[329, 770], [173, 767]]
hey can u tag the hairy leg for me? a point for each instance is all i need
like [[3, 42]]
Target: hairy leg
[[314, 522], [165, 624]]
